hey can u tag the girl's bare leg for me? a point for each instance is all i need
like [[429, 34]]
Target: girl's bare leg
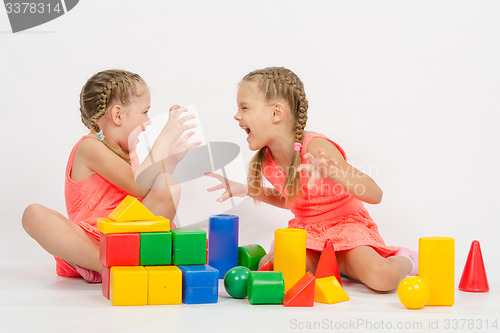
[[61, 237], [364, 264]]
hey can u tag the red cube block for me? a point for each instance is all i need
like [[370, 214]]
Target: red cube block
[[105, 281], [120, 249]]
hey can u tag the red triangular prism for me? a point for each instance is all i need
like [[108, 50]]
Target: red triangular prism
[[327, 264], [474, 275], [268, 266], [302, 293]]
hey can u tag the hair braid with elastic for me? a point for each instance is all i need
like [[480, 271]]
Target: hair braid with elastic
[[102, 89], [275, 83]]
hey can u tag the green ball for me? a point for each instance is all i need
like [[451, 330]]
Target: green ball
[[236, 281]]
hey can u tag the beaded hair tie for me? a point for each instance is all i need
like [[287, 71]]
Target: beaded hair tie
[[100, 135]]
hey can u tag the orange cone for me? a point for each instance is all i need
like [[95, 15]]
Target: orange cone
[[327, 264], [474, 275]]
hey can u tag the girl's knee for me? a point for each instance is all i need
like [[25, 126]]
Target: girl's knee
[[266, 258], [312, 259], [174, 188], [32, 216], [383, 277]]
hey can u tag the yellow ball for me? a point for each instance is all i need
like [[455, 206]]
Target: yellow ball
[[413, 292]]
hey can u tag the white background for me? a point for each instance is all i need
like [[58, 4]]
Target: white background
[[410, 89]]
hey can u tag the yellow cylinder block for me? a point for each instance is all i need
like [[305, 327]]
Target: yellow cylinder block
[[436, 264], [290, 254]]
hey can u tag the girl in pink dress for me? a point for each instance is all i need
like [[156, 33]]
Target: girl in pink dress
[[114, 106], [312, 178]]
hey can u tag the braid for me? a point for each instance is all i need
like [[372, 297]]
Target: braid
[[301, 110], [102, 104], [99, 91], [280, 82]]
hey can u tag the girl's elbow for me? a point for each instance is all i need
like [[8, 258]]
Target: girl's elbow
[[378, 197], [375, 198]]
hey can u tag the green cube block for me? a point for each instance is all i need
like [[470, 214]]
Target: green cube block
[[156, 248], [250, 255], [189, 246], [266, 288]]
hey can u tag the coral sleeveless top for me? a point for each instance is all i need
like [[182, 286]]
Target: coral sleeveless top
[[91, 198], [327, 211]]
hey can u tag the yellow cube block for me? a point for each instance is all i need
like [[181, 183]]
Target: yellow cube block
[[108, 226], [131, 209], [128, 285], [329, 291], [436, 264], [165, 285]]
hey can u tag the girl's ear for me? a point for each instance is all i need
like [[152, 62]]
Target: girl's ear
[[278, 112], [116, 114]]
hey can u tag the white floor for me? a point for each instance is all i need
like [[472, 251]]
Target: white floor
[[33, 299]]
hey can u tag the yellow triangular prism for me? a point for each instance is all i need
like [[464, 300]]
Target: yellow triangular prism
[[108, 226], [131, 209], [329, 291]]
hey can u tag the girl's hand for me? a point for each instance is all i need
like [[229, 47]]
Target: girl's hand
[[174, 133], [180, 147], [175, 126], [318, 167], [232, 188]]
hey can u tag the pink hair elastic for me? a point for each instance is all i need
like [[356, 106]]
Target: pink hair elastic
[[297, 146]]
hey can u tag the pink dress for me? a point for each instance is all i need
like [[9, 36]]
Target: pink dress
[[326, 211], [86, 201]]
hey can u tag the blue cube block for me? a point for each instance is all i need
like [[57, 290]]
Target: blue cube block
[[200, 284]]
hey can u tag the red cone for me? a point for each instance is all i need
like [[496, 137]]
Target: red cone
[[474, 276], [327, 264]]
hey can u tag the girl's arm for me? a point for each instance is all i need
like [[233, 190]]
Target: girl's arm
[[101, 160], [272, 196], [234, 189], [327, 161]]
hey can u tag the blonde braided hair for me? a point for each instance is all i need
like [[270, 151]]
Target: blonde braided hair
[[99, 91], [275, 83]]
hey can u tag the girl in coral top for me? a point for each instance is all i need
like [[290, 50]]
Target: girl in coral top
[[114, 106], [312, 178]]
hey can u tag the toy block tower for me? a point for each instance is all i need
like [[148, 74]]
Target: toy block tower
[[137, 249]]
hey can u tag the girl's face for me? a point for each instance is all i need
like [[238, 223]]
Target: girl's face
[[254, 115], [135, 118]]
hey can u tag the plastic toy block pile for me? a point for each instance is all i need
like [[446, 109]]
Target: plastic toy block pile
[[145, 262]]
